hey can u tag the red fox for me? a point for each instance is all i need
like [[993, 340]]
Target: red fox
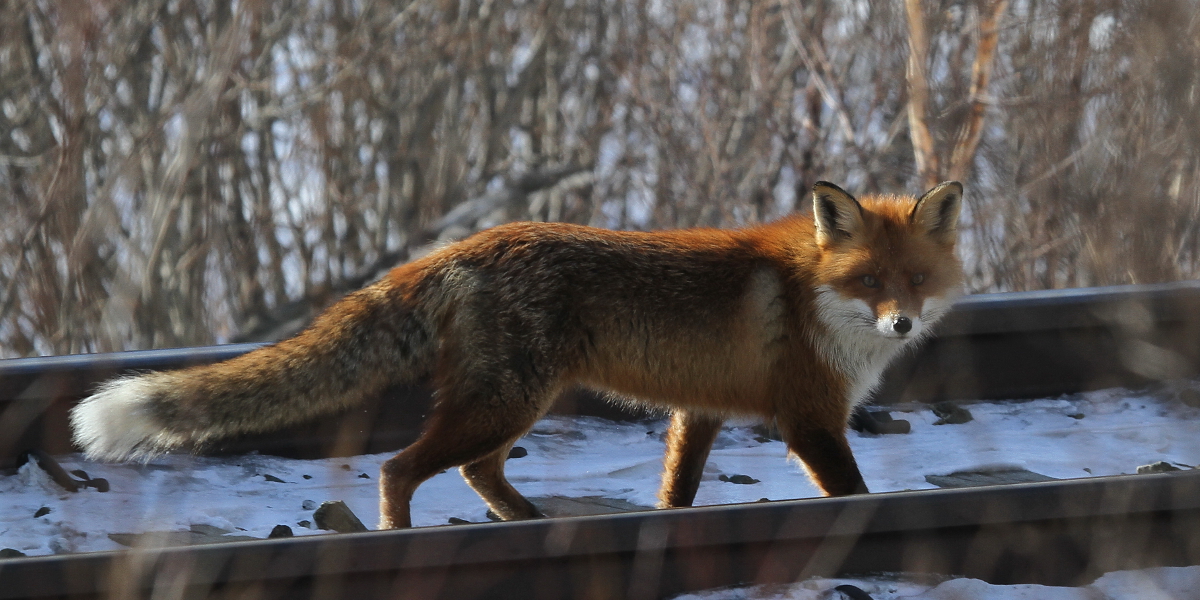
[[792, 322]]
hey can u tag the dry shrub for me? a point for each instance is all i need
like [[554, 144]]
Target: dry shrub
[[175, 172]]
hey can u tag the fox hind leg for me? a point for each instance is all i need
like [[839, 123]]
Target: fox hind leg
[[464, 429], [400, 475], [486, 477], [689, 440]]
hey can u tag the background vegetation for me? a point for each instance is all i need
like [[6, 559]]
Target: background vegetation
[[179, 172]]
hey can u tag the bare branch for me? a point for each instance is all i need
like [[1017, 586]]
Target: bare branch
[[981, 73], [918, 96]]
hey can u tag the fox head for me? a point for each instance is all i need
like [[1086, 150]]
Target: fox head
[[886, 265]]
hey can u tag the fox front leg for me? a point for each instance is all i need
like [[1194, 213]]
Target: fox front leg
[[689, 440], [826, 455]]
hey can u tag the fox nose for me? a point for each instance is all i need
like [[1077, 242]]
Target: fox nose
[[902, 325]]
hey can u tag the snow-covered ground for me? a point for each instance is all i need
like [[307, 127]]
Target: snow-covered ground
[[1166, 583], [1106, 432]]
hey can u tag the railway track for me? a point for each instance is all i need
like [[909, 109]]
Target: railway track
[[991, 347], [1056, 533]]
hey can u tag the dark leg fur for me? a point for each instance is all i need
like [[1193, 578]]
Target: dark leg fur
[[827, 456]]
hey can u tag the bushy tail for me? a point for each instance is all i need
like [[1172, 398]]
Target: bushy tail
[[370, 339]]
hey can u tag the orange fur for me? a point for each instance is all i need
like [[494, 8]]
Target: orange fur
[[790, 322]]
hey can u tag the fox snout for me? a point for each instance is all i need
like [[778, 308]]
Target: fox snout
[[898, 325], [899, 321]]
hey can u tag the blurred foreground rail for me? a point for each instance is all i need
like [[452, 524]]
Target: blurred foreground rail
[[1055, 533]]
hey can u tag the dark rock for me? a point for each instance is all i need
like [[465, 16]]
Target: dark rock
[[273, 478], [852, 592], [363, 476], [100, 485], [762, 430], [1158, 467], [518, 452], [305, 524], [11, 553], [458, 521], [877, 422], [1076, 416], [950, 413], [336, 516], [41, 512], [280, 531], [740, 479], [307, 476], [308, 505], [491, 516]]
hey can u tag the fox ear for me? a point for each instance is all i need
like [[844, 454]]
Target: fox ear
[[936, 213], [838, 215]]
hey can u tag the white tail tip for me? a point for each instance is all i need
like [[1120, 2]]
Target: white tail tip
[[117, 422]]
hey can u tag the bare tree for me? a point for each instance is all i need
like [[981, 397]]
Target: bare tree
[[182, 172]]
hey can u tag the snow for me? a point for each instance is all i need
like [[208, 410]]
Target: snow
[[1106, 432], [1164, 583]]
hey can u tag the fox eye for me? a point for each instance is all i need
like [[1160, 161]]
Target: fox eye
[[918, 279], [870, 281]]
